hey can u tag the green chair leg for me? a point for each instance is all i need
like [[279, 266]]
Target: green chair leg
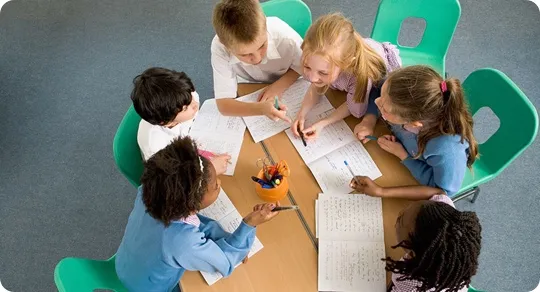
[[474, 192]]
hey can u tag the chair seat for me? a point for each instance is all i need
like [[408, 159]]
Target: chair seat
[[480, 174], [86, 275]]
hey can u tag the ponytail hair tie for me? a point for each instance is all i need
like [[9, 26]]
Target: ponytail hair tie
[[444, 88], [445, 92]]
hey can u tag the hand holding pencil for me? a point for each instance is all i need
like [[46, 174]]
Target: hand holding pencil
[[261, 213], [365, 185]]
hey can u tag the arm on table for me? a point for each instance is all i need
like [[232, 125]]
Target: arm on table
[[198, 253], [365, 185]]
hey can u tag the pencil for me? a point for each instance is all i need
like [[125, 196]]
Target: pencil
[[370, 137], [276, 102], [352, 173], [301, 135], [285, 208]]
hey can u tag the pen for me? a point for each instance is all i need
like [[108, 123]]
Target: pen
[[263, 184], [301, 135], [370, 137], [285, 208], [276, 102], [352, 173]]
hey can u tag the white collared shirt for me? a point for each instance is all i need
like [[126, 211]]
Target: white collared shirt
[[283, 53], [152, 138]]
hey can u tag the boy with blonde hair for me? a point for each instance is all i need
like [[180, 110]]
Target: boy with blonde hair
[[253, 48]]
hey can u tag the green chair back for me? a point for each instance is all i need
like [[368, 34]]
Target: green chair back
[[518, 123], [127, 154], [441, 19], [85, 275], [294, 12], [471, 289]]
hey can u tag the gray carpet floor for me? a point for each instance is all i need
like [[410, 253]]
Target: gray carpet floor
[[65, 75]]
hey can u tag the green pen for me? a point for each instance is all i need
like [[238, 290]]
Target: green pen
[[276, 102]]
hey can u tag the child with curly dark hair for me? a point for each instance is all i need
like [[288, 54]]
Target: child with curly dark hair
[[165, 236], [442, 244]]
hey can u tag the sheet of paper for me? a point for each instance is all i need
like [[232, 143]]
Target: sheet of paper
[[218, 134], [331, 138], [316, 218], [351, 266], [209, 119], [332, 174], [349, 217], [220, 208], [224, 212], [218, 143], [260, 127]]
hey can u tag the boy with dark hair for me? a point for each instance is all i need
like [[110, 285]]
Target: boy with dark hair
[[167, 102]]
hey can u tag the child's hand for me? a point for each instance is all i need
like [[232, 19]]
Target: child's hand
[[366, 186], [220, 163], [313, 132], [261, 213], [298, 124], [271, 91], [362, 130], [389, 144], [272, 113]]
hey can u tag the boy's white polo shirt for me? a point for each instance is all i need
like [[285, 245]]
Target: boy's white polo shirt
[[283, 53], [152, 138]]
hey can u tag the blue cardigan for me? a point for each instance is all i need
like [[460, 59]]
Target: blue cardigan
[[153, 257], [443, 163]]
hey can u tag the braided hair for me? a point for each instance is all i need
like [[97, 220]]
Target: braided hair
[[445, 246], [173, 182]]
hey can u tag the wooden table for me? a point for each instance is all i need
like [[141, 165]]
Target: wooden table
[[304, 187], [288, 261]]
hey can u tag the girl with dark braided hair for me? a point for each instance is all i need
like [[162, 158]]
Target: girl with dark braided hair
[[165, 235], [442, 244]]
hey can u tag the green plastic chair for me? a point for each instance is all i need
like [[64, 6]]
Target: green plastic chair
[[441, 18], [471, 289], [85, 275], [518, 126], [127, 154], [294, 12]]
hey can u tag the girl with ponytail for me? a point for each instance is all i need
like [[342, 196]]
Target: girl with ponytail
[[335, 56], [433, 132]]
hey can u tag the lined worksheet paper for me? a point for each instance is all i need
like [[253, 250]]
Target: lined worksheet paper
[[333, 175], [351, 243], [350, 217], [211, 120], [351, 266], [224, 212], [261, 127], [217, 133], [331, 138]]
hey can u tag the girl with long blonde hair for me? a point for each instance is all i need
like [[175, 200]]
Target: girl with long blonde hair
[[335, 56]]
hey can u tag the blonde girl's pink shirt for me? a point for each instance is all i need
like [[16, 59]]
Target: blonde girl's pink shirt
[[347, 82]]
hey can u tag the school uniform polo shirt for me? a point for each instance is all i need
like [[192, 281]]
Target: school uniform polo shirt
[[283, 53], [152, 138]]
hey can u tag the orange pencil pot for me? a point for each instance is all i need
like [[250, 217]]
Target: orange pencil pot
[[276, 193]]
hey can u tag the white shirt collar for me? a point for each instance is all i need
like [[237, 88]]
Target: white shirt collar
[[272, 53]]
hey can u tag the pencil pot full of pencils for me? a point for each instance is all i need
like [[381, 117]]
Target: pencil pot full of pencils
[[271, 183]]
